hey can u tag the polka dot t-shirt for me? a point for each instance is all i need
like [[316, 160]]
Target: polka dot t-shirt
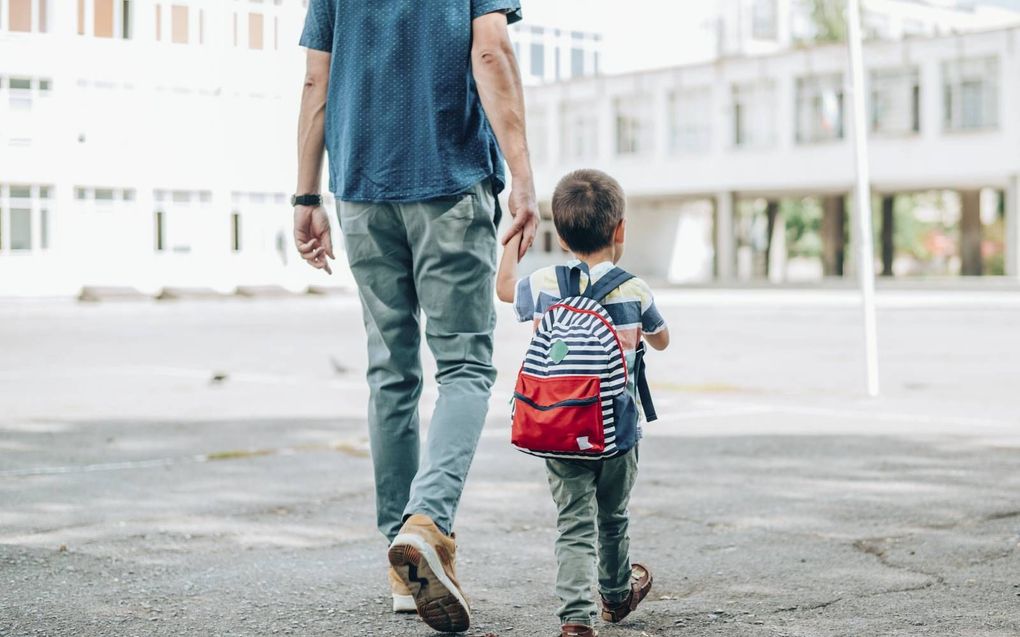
[[403, 118]]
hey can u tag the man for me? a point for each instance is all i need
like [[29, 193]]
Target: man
[[410, 98]]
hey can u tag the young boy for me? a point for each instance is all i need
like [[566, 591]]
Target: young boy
[[591, 496]]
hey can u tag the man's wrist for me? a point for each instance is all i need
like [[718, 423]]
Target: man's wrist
[[523, 179], [312, 199]]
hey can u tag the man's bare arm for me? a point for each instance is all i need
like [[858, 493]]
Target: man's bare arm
[[499, 87], [311, 225]]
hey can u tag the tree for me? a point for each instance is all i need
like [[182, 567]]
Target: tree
[[829, 19]]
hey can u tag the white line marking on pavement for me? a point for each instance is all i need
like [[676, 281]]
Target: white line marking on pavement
[[105, 466], [906, 299]]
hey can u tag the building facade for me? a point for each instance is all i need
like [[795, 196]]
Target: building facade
[[692, 144], [150, 143]]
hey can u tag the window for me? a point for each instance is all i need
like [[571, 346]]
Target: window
[[179, 24], [754, 106], [690, 120], [576, 62], [538, 59], [895, 101], [125, 19], [44, 229], [255, 27], [21, 229], [20, 93], [578, 130], [160, 232], [103, 19], [971, 94], [633, 125], [24, 16], [763, 20], [235, 232], [819, 108], [107, 18]]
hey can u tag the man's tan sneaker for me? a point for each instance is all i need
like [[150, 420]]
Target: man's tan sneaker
[[403, 601], [577, 630], [423, 558]]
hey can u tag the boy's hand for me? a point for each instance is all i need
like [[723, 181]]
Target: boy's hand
[[506, 276]]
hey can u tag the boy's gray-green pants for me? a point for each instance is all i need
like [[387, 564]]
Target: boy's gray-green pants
[[591, 500], [436, 258]]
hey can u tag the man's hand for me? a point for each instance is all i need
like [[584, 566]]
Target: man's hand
[[524, 210], [311, 235]]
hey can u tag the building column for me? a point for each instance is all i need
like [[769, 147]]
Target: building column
[[888, 232], [1011, 200], [725, 237], [833, 235], [970, 233]]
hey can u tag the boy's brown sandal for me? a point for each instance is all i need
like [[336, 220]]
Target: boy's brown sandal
[[577, 630], [640, 584]]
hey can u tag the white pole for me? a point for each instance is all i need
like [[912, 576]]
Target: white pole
[[865, 237]]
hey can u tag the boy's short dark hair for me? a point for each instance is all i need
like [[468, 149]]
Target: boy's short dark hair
[[587, 205]]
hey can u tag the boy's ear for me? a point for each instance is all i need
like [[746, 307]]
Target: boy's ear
[[621, 232], [563, 244]]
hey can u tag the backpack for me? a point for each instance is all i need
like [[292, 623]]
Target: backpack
[[571, 399]]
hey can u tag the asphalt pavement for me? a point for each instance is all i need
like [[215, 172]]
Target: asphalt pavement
[[201, 468]]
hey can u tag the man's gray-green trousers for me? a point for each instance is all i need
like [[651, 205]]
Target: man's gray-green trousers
[[436, 258]]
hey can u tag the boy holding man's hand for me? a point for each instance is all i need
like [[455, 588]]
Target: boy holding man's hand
[[591, 495]]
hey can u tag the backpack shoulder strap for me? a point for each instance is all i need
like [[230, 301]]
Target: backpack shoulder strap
[[644, 392], [569, 280], [609, 282], [563, 279]]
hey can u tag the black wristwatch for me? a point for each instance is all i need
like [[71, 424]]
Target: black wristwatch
[[306, 200]]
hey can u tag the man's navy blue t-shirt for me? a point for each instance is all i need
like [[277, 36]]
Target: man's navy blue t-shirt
[[403, 118]]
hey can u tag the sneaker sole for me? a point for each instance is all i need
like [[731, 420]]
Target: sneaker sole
[[404, 604], [437, 599]]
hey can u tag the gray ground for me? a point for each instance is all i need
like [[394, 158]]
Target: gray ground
[[139, 496]]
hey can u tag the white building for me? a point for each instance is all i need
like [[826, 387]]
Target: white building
[[756, 27], [689, 143], [552, 54], [150, 143]]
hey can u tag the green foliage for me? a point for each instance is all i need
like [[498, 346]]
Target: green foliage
[[829, 18], [803, 226]]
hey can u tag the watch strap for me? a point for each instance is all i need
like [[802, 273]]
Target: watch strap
[[306, 200]]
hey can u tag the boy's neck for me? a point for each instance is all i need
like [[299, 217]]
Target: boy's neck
[[595, 258]]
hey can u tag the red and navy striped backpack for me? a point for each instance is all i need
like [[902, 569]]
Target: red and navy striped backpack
[[571, 399]]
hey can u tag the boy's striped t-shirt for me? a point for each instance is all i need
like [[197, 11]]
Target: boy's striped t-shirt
[[631, 306]]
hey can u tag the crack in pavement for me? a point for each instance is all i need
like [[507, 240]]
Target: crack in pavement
[[870, 546]]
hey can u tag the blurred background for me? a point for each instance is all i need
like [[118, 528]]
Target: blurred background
[[147, 146]]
